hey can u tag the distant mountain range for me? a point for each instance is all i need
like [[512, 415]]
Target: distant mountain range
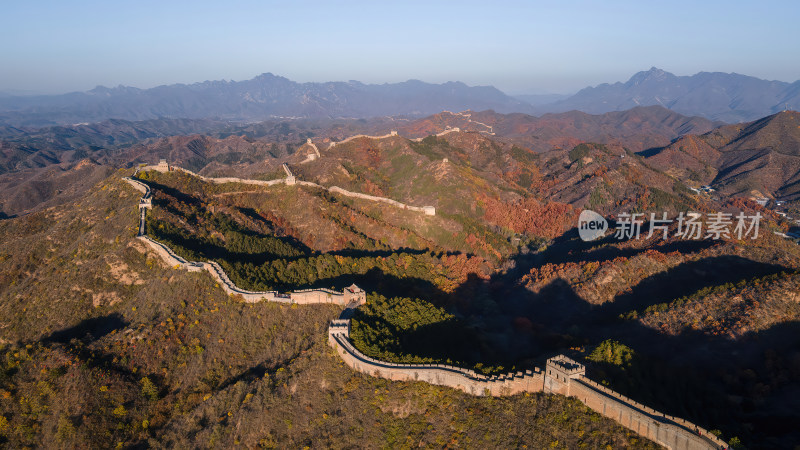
[[728, 97], [265, 96], [716, 96]]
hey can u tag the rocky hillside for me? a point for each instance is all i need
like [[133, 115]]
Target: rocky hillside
[[98, 339], [497, 280], [31, 160], [760, 158], [637, 129]]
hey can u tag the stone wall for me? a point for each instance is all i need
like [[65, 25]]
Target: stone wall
[[439, 374], [351, 296], [562, 375], [428, 210], [334, 144], [168, 256], [440, 134], [671, 432], [314, 147], [489, 130], [289, 180]]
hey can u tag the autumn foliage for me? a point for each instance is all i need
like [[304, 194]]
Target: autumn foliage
[[530, 216]]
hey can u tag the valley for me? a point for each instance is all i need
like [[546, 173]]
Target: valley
[[494, 281]]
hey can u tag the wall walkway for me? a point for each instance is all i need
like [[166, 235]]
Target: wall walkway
[[334, 144], [489, 130], [669, 431], [289, 180], [352, 295]]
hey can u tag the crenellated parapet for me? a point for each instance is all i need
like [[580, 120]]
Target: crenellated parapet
[[352, 295], [562, 375], [438, 374]]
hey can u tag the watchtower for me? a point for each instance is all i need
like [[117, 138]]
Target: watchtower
[[354, 294], [558, 373]]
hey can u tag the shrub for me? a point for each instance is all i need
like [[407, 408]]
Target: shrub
[[580, 151]]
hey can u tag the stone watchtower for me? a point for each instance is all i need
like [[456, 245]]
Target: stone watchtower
[[162, 166], [354, 294], [558, 373]]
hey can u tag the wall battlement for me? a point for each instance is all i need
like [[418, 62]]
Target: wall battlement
[[352, 295], [562, 375]]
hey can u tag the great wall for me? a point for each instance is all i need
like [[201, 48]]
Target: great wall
[[290, 180], [334, 144], [468, 116], [561, 375], [351, 295]]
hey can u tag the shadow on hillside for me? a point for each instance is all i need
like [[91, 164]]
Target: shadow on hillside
[[375, 280], [449, 341], [198, 250], [743, 386], [689, 278], [172, 192], [569, 248], [88, 329], [514, 326], [714, 381], [78, 339], [652, 151]]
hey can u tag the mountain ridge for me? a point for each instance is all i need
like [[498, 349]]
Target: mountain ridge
[[718, 96], [759, 158], [265, 96], [729, 97]]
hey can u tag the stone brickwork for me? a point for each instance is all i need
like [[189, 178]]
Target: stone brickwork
[[562, 375], [559, 372], [671, 432], [351, 296], [439, 374]]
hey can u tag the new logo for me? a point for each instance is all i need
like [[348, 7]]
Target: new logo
[[591, 225]]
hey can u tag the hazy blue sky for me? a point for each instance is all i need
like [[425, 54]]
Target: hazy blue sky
[[520, 47]]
